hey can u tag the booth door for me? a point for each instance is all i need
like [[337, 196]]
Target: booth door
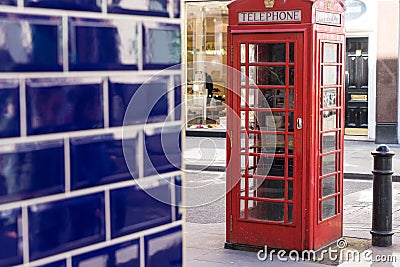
[[266, 202]]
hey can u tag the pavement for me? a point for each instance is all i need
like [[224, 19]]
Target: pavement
[[204, 228]]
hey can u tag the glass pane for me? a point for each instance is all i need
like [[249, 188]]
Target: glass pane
[[291, 99], [243, 76], [243, 142], [291, 75], [267, 52], [272, 189], [329, 121], [254, 187], [290, 190], [330, 53], [275, 97], [328, 142], [257, 99], [242, 53], [263, 165], [291, 52], [328, 208], [267, 121], [291, 144], [328, 164], [242, 187], [277, 167], [242, 119], [243, 98], [329, 185], [242, 208], [267, 211], [291, 122], [242, 162], [290, 167], [267, 75], [290, 213], [329, 98], [280, 144], [330, 75], [262, 143]]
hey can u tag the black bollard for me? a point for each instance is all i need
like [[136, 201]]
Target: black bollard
[[382, 197]]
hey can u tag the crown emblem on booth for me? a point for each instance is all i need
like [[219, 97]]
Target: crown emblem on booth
[[269, 3]]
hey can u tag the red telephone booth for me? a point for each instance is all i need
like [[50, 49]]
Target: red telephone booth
[[286, 124]]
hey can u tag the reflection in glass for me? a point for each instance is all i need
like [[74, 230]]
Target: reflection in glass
[[329, 185], [275, 97], [242, 120], [291, 144], [290, 213], [243, 98], [329, 121], [243, 75], [272, 189], [329, 97], [328, 142], [274, 121], [330, 53], [291, 122], [242, 187], [330, 75], [328, 164], [267, 211], [267, 52], [257, 99], [243, 162], [277, 167], [242, 208], [290, 190], [262, 143], [290, 167], [291, 52], [254, 187], [268, 75], [243, 142], [264, 165], [291, 99], [291, 75], [242, 53], [328, 208]]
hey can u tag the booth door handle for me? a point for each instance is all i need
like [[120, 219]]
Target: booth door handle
[[299, 123]]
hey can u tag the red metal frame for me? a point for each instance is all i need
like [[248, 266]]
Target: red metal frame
[[308, 230]]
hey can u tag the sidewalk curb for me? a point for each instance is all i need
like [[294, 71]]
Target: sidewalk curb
[[354, 176]]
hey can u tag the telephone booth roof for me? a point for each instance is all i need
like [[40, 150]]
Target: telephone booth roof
[[248, 12]]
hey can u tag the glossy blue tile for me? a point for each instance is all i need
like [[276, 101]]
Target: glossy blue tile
[[9, 108], [134, 208], [99, 44], [8, 2], [148, 102], [10, 237], [149, 8], [178, 197], [164, 248], [162, 150], [86, 5], [178, 97], [60, 105], [30, 170], [61, 263], [31, 43], [162, 45], [121, 255], [97, 160], [59, 226]]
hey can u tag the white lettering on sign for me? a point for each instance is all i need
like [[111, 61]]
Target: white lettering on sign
[[270, 16], [327, 18]]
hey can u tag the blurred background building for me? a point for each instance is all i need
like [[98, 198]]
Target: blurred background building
[[68, 70], [372, 88]]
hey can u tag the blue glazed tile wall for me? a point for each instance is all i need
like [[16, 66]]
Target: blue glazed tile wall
[[90, 142]]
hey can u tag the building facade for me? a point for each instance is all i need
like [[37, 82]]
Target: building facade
[[80, 183], [371, 70]]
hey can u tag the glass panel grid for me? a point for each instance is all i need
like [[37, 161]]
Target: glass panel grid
[[331, 88], [269, 162]]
